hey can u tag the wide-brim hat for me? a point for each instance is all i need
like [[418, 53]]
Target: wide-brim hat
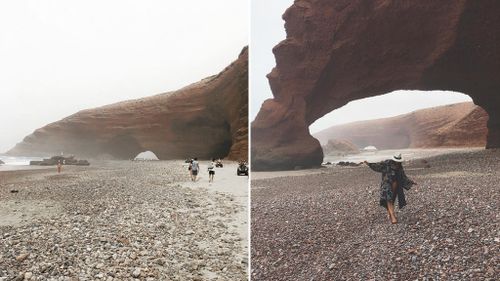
[[397, 158]]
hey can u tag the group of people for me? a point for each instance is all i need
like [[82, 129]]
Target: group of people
[[194, 168]]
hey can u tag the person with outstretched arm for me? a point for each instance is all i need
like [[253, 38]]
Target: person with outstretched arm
[[394, 181]]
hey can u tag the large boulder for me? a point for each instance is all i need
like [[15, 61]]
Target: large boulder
[[340, 147], [64, 160], [339, 51]]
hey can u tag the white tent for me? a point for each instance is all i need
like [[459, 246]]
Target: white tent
[[370, 148], [146, 156]]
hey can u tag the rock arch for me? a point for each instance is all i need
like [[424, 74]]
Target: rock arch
[[206, 119], [339, 51]]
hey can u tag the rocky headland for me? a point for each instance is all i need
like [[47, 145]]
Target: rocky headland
[[339, 51], [206, 119]]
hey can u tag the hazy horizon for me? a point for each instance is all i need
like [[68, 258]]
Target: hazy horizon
[[60, 57], [388, 105], [383, 117], [269, 30]]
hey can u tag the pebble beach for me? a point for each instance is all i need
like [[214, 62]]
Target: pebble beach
[[326, 224], [122, 220]]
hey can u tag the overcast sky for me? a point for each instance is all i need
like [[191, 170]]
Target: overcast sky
[[267, 29], [60, 56]]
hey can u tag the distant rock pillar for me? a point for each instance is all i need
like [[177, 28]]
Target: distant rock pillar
[[493, 139], [488, 101]]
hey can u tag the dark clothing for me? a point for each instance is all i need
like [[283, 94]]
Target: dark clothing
[[390, 174]]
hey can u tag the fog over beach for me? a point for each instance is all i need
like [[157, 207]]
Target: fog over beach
[[102, 103], [59, 57]]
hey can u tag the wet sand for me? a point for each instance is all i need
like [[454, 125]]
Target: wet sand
[[121, 220], [326, 224]]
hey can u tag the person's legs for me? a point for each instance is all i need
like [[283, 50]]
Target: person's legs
[[390, 203], [390, 210]]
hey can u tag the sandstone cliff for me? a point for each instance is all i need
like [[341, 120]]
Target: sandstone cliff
[[456, 125], [339, 51], [206, 119]]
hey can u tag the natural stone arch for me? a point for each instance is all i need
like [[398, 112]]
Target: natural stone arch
[[338, 51]]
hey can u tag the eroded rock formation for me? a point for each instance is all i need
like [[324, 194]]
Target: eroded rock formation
[[339, 51], [456, 125], [339, 146], [206, 119]]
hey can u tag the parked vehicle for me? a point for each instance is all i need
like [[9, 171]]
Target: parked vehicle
[[242, 169]]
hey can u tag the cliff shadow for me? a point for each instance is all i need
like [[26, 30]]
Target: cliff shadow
[[123, 146]]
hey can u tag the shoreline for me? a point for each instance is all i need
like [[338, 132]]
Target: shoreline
[[416, 154], [236, 188], [122, 219]]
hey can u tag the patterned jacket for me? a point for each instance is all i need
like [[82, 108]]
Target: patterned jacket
[[390, 173]]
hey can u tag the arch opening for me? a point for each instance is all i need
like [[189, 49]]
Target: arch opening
[[147, 155], [417, 123]]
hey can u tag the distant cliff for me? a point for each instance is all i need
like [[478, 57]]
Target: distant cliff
[[456, 125], [206, 119]]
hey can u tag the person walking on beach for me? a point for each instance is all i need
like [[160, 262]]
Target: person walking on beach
[[190, 167], [211, 171], [195, 168], [394, 180], [59, 166]]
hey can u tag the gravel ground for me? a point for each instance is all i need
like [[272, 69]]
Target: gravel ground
[[329, 226], [117, 221]]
